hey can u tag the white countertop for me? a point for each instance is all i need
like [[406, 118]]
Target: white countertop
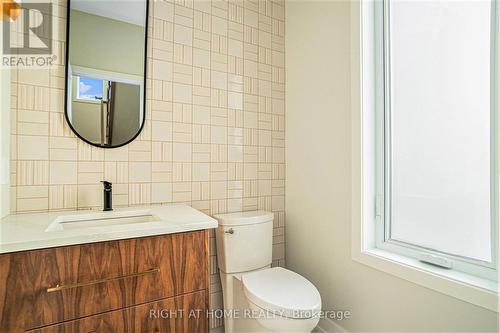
[[21, 232]]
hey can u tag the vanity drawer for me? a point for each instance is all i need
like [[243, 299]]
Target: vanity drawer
[[43, 287], [177, 317]]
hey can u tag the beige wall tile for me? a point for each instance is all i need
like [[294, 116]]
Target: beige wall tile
[[183, 35], [218, 190], [139, 194], [219, 26], [32, 173], [163, 10], [204, 6], [161, 131], [182, 93], [38, 117], [184, 13], [218, 134], [219, 80], [235, 100], [35, 77], [63, 172], [215, 121], [250, 119], [201, 58], [116, 154], [62, 197], [201, 114], [235, 47], [26, 192], [89, 196], [32, 147], [251, 18], [182, 152], [201, 171], [139, 172], [251, 68], [181, 192], [235, 153], [161, 192], [250, 171], [162, 70], [32, 204]]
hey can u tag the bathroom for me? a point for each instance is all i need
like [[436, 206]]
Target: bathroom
[[249, 166]]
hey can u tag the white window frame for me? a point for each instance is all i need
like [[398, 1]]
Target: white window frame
[[368, 247], [383, 110], [90, 100]]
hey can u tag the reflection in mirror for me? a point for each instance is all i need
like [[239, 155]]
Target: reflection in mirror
[[105, 79]]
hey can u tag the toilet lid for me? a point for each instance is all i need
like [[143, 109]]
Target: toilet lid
[[282, 292]]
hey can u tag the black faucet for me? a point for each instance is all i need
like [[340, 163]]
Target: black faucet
[[108, 195]]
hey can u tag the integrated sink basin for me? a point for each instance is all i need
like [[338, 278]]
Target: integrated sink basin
[[21, 232], [104, 219]]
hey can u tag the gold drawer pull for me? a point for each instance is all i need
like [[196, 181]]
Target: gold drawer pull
[[83, 284]]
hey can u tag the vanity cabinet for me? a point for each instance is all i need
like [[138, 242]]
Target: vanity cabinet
[[150, 284], [140, 319]]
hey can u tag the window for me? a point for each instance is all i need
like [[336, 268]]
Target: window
[[89, 89], [435, 170]]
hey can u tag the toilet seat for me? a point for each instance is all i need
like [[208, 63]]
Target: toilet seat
[[282, 292]]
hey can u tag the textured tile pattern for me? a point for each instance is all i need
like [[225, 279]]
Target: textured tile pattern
[[214, 131]]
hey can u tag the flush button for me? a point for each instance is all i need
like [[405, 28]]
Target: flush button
[[230, 231]]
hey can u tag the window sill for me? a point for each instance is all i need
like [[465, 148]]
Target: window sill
[[478, 291], [88, 101]]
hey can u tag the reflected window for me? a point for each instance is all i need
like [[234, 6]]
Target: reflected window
[[89, 89]]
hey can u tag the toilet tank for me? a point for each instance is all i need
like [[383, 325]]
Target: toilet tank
[[244, 241]]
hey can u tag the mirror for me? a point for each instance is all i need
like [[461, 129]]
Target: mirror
[[105, 70]]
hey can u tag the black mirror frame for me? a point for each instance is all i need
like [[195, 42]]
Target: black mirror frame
[[68, 12]]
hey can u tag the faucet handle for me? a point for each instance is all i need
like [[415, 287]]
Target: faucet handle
[[107, 185], [107, 196]]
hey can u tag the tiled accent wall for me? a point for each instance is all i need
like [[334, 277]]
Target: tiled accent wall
[[214, 131]]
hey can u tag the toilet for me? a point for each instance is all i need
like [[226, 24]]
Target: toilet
[[258, 298]]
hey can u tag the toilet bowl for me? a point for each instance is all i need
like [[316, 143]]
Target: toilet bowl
[[288, 301], [261, 298]]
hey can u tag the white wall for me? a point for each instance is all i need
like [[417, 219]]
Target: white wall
[[102, 41], [4, 136], [318, 188]]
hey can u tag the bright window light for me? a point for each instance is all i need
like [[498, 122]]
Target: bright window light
[[436, 132], [89, 88]]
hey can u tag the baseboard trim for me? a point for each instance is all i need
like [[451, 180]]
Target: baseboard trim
[[327, 325]]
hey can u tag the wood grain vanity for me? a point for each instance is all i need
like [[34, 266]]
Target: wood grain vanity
[[148, 284]]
